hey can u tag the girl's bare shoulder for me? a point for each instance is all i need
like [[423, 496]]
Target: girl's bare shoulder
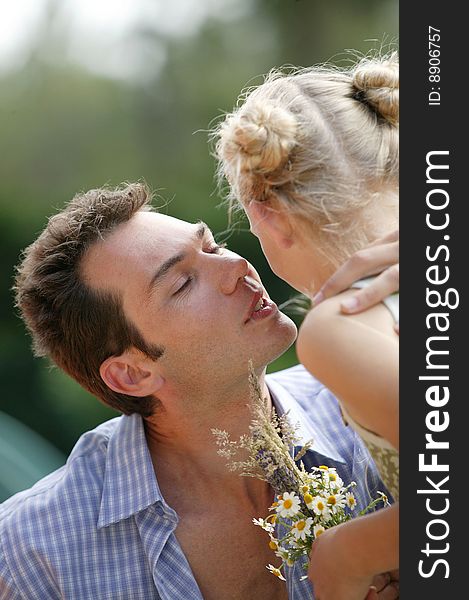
[[328, 314]]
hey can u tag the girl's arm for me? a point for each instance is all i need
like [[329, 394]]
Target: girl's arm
[[344, 558], [357, 358]]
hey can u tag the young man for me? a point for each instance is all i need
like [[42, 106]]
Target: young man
[[149, 314]]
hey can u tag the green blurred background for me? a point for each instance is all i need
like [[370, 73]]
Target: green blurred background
[[96, 92]]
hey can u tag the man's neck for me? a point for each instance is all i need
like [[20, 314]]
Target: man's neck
[[184, 452]]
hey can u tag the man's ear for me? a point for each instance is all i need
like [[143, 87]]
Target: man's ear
[[132, 374], [267, 220]]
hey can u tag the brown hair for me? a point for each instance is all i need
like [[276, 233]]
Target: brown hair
[[78, 327]]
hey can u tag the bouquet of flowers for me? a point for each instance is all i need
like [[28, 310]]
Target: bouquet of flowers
[[307, 503]]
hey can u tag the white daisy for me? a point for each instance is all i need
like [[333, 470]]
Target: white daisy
[[288, 504], [264, 524], [350, 500], [336, 502], [302, 528], [317, 530], [273, 543], [319, 506], [276, 572], [332, 479], [384, 498], [282, 553], [308, 500]]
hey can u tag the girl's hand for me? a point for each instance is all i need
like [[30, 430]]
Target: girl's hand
[[380, 257], [334, 575], [385, 587]]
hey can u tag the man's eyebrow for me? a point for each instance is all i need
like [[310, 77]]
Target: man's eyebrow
[[200, 233]]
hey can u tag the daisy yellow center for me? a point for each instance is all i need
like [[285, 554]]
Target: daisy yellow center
[[318, 533], [308, 498], [300, 525], [277, 572], [288, 504], [331, 500], [304, 489], [332, 477], [351, 501], [320, 506], [273, 545]]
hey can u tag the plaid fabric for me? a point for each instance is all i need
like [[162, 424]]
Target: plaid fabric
[[99, 528]]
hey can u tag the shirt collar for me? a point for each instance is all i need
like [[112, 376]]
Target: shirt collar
[[129, 483], [310, 427]]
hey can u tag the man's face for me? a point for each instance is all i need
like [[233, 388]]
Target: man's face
[[185, 293]]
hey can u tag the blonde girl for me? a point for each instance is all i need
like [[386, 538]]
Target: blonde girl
[[313, 158]]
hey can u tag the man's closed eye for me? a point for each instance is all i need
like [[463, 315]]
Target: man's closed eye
[[215, 249]]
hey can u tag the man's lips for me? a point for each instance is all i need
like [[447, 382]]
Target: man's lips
[[267, 308], [255, 299]]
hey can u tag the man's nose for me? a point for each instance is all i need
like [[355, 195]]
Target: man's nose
[[235, 268]]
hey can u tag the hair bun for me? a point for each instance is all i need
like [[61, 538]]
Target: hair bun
[[259, 138], [378, 80]]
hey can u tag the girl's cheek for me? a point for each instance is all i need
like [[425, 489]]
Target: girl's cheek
[[255, 213]]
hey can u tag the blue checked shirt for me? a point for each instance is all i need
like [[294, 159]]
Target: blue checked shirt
[[98, 528]]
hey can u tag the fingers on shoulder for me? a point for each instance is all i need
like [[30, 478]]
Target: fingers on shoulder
[[385, 284], [374, 258], [356, 267]]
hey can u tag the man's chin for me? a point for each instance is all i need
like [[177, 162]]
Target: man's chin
[[284, 338], [287, 323]]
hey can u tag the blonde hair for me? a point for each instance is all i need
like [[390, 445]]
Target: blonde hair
[[322, 143]]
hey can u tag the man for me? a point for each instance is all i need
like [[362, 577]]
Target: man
[[149, 314]]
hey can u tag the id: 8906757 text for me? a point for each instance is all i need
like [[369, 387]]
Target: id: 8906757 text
[[434, 70]]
